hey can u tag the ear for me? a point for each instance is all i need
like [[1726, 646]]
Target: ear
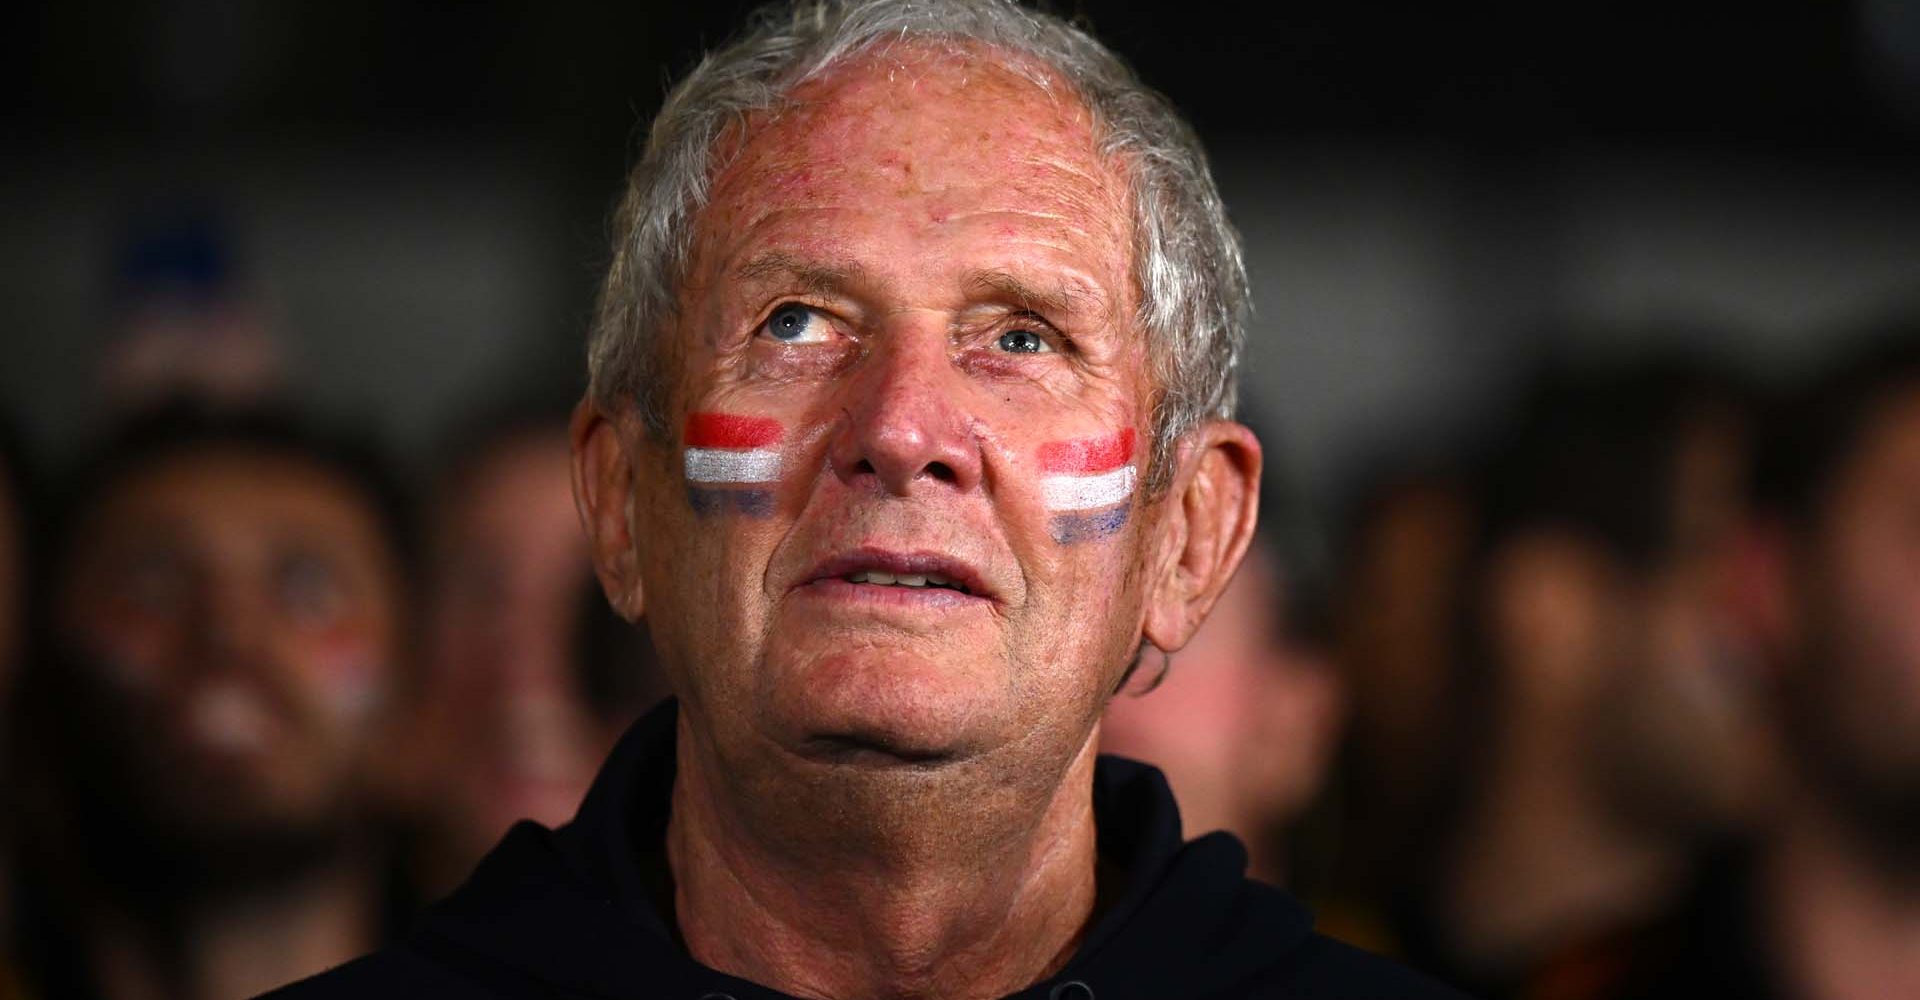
[[603, 477], [1204, 530]]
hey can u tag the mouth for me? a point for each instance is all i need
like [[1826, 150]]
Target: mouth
[[931, 574]]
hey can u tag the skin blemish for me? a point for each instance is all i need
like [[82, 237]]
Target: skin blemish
[[731, 463], [1088, 485]]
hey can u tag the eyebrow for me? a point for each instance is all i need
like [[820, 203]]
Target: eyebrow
[[1068, 296], [818, 278]]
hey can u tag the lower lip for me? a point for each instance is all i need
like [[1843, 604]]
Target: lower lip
[[880, 595]]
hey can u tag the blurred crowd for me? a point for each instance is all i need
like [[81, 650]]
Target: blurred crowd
[[1622, 699]]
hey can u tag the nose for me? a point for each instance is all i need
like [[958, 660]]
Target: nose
[[230, 624], [907, 423]]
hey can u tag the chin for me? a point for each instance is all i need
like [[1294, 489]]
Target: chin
[[883, 706]]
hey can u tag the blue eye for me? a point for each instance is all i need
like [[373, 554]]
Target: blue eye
[[793, 323], [1023, 342]]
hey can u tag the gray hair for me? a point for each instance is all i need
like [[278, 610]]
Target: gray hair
[[1186, 257]]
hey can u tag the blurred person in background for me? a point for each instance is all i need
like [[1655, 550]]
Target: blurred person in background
[[226, 607], [1394, 610], [507, 724], [1243, 721], [1826, 906], [1618, 727]]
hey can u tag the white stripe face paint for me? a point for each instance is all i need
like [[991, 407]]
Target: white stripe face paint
[[1087, 492], [726, 465]]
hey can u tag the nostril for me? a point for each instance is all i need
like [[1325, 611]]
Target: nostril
[[943, 472], [865, 468]]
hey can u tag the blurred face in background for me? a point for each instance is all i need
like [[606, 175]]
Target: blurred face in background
[[237, 613], [1854, 692], [504, 696], [1245, 721], [1395, 628], [1679, 723]]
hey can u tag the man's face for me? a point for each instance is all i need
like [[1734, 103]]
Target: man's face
[[239, 613], [1859, 683], [905, 349]]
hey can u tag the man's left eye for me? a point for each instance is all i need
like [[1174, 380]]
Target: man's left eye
[[793, 323], [1023, 342]]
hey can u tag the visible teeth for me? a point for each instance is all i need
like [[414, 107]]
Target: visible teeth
[[875, 576]]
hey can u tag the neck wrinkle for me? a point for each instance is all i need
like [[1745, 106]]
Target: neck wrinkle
[[949, 910]]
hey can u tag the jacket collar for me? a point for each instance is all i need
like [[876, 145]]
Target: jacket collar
[[573, 908]]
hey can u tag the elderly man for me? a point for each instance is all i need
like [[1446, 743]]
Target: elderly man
[[908, 433]]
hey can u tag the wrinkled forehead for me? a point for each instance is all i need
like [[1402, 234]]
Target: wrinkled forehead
[[965, 80], [921, 121]]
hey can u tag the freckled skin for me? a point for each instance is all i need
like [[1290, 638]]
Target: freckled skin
[[1022, 191]]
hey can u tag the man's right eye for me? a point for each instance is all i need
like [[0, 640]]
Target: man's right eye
[[793, 323]]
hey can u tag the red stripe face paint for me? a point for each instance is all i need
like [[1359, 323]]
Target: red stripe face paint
[[727, 430], [731, 462], [1084, 455], [1088, 485]]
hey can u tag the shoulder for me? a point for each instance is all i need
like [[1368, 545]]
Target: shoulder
[[1321, 968]]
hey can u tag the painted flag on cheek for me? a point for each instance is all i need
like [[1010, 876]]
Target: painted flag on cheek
[[732, 463], [1088, 485]]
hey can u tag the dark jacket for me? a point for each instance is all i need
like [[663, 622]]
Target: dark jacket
[[572, 912]]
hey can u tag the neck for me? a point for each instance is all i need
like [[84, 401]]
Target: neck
[[1542, 860], [1845, 926], [943, 886], [242, 945]]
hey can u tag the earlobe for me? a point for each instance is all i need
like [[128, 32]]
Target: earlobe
[[603, 493], [1205, 530]]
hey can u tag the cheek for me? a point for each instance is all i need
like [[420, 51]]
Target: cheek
[[347, 666], [132, 648], [732, 464], [1087, 485]]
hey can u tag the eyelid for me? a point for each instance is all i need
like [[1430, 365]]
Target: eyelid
[[1027, 319], [835, 326]]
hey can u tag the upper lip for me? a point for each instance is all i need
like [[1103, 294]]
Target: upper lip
[[868, 559]]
